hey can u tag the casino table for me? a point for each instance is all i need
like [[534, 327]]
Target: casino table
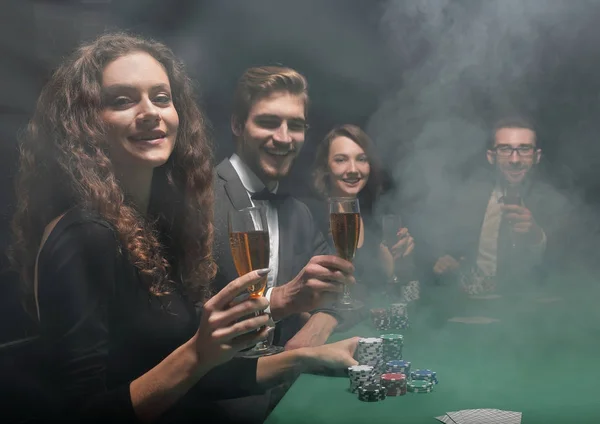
[[540, 357]]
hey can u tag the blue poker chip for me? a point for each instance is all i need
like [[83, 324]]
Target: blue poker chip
[[398, 364]]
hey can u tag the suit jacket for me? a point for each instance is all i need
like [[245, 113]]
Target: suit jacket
[[299, 240], [460, 216]]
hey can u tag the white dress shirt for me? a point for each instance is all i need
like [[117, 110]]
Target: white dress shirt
[[253, 184], [488, 240]]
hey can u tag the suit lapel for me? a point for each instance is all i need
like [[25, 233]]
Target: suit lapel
[[238, 196]]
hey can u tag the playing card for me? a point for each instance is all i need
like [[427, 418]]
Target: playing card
[[445, 419], [482, 416]]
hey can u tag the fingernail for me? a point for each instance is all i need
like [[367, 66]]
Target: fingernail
[[263, 272], [270, 330]]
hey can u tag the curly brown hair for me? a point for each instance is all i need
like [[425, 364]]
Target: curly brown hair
[[64, 163], [321, 181]]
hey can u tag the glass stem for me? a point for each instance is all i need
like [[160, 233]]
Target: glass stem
[[346, 295], [262, 345], [346, 299], [265, 344]]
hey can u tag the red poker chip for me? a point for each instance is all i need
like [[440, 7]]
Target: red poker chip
[[394, 383], [394, 376]]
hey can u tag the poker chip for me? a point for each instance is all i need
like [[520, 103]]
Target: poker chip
[[420, 386], [398, 316], [394, 384], [398, 366], [380, 319], [426, 375], [370, 352], [392, 346], [361, 375], [371, 393], [474, 282], [399, 309], [411, 291], [394, 318], [378, 313]]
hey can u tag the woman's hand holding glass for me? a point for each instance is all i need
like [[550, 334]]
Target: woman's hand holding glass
[[404, 246], [222, 333], [397, 239]]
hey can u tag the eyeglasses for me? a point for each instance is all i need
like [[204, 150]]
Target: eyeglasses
[[507, 151]]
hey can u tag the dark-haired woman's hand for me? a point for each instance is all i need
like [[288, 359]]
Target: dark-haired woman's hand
[[222, 332], [404, 246]]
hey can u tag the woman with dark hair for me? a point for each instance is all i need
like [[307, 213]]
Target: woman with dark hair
[[112, 237], [346, 165]]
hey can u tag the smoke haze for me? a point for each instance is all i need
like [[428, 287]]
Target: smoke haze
[[463, 66]]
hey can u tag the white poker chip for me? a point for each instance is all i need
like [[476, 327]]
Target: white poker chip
[[370, 340], [358, 368]]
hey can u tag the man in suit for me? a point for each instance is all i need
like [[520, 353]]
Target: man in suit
[[500, 229], [269, 124]]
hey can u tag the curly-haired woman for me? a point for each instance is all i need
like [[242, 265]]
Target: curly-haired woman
[[113, 234]]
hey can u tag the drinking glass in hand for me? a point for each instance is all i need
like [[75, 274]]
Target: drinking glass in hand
[[249, 243], [344, 219], [390, 224], [511, 196]]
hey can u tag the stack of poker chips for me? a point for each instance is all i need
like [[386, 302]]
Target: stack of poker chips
[[394, 384], [371, 393], [411, 291], [399, 309], [424, 375], [394, 318], [473, 281], [398, 367], [398, 316], [362, 375], [380, 319], [392, 346], [370, 352], [420, 386]]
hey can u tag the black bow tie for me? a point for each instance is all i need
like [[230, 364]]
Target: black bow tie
[[268, 196]]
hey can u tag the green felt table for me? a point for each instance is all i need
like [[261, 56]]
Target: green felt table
[[540, 358]]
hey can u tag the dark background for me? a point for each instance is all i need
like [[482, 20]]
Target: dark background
[[376, 63]]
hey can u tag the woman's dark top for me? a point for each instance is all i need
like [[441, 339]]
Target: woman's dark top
[[102, 329]]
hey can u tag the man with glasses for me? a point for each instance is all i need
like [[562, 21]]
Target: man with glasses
[[498, 234]]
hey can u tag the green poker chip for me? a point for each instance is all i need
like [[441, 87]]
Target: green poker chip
[[420, 386]]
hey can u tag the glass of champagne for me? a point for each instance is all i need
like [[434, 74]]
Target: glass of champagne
[[344, 219], [249, 243], [390, 224]]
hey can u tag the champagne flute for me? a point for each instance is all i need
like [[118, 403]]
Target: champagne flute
[[249, 243], [512, 195], [344, 219], [390, 224]]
